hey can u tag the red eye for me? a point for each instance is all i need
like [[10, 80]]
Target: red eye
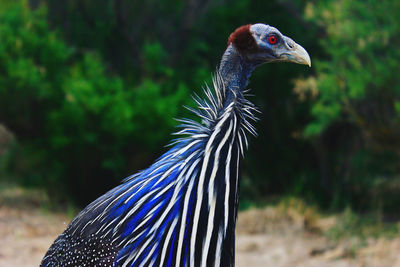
[[272, 39]]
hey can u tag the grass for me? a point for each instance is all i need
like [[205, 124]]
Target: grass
[[351, 224], [17, 197], [336, 226]]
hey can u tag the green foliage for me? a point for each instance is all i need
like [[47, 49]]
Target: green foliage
[[355, 126], [90, 89], [75, 122], [94, 101], [358, 78]]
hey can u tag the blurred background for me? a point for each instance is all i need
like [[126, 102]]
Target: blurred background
[[89, 90]]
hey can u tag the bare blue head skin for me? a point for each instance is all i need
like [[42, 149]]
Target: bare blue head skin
[[252, 45]]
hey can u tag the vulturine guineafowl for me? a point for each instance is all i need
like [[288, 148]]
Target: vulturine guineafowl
[[182, 210]]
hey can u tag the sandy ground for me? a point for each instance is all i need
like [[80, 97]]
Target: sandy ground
[[265, 237], [269, 238]]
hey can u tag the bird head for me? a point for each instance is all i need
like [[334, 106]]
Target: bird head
[[260, 43]]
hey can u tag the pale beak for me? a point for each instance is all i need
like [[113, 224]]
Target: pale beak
[[293, 52]]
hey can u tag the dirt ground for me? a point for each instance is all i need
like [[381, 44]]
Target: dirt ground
[[265, 237]]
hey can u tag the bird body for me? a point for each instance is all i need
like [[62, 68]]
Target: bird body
[[182, 210]]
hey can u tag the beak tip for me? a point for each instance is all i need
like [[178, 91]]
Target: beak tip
[[307, 59], [300, 56]]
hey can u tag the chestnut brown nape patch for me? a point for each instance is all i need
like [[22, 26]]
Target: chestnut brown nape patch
[[242, 39]]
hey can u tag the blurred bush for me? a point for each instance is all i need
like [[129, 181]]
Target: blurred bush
[[89, 90], [94, 88], [72, 119], [356, 115]]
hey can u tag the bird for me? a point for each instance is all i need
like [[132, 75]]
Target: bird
[[182, 210]]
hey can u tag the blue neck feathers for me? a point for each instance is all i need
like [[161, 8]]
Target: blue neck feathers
[[235, 70]]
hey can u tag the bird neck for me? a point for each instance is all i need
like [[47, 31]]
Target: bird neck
[[235, 69]]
